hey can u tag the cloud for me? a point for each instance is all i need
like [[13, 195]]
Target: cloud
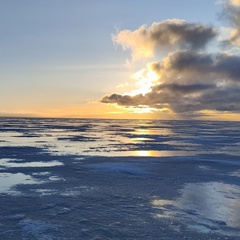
[[190, 65], [124, 100], [161, 96], [231, 13], [228, 65], [189, 82], [183, 89], [183, 98], [174, 33]]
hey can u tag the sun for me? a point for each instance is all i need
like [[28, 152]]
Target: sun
[[145, 80]]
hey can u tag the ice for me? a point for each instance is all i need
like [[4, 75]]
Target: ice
[[36, 229], [117, 168], [236, 174], [119, 179], [207, 207], [213, 200]]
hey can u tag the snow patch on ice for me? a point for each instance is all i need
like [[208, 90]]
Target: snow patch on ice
[[236, 174], [55, 178], [46, 192], [41, 174], [71, 192], [78, 191], [202, 167]]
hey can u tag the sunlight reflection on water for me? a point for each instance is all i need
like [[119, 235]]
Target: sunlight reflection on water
[[152, 131], [9, 180], [145, 153], [207, 207], [120, 137], [216, 201], [13, 163]]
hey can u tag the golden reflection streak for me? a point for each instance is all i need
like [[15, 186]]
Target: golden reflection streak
[[146, 153]]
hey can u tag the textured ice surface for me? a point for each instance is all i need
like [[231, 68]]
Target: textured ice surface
[[36, 229], [119, 179], [117, 167]]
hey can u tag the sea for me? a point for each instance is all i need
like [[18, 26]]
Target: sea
[[67, 179]]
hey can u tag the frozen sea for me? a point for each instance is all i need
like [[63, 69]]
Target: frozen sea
[[64, 179]]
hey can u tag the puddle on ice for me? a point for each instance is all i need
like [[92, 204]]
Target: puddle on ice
[[216, 201], [11, 163], [9, 180], [205, 207]]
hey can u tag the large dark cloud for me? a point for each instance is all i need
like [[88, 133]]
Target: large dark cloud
[[190, 81], [186, 60], [228, 65], [183, 98], [178, 32], [161, 95], [183, 89], [222, 99], [221, 65]]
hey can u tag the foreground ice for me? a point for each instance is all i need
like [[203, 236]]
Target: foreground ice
[[89, 179]]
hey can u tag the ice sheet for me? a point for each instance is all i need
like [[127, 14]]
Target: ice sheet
[[119, 179]]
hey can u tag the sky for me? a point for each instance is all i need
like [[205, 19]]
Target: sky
[[155, 59]]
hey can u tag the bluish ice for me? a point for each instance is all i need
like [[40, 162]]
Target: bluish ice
[[119, 179]]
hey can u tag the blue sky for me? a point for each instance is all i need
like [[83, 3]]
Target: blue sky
[[57, 55]]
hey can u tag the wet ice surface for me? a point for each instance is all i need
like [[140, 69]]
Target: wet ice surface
[[111, 179], [206, 207]]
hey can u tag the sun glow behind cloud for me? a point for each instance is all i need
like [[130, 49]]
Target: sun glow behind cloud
[[235, 2], [145, 80]]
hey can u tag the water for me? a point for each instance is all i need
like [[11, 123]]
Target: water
[[119, 179]]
